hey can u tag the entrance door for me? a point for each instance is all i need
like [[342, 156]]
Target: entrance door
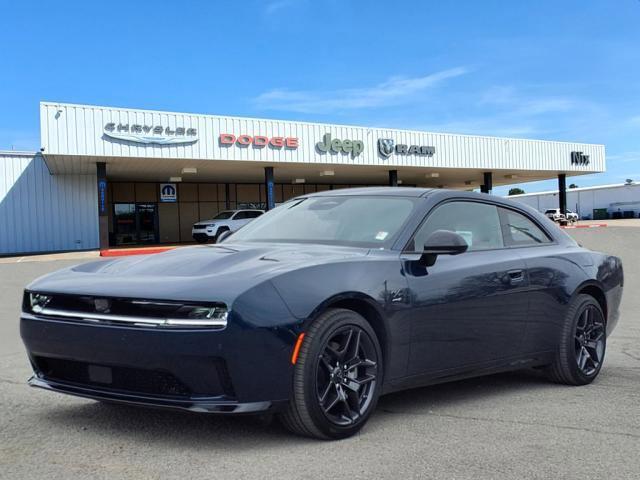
[[147, 215], [135, 223]]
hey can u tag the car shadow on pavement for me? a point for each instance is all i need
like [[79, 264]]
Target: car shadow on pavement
[[185, 429]]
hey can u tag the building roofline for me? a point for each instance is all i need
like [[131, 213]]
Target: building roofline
[[579, 189], [18, 153], [233, 117]]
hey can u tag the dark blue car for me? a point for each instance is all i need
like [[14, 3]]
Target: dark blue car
[[321, 305]]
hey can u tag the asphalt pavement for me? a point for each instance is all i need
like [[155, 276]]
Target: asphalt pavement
[[504, 426]]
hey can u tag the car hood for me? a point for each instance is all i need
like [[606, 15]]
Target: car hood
[[204, 273]]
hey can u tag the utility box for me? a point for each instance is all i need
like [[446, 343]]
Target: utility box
[[600, 214]]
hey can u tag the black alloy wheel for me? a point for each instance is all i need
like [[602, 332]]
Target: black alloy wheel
[[346, 375], [590, 340], [583, 342], [337, 378]]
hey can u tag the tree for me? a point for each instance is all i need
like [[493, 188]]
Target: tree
[[516, 191], [573, 185], [629, 181]]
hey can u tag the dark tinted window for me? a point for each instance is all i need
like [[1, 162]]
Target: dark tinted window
[[520, 230], [478, 223], [252, 214], [223, 215]]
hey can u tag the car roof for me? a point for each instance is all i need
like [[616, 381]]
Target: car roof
[[374, 191]]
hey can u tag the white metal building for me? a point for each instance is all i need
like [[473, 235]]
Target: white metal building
[[115, 176], [616, 199]]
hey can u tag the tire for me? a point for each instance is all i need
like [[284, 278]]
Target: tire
[[354, 386], [582, 344], [201, 240], [218, 233]]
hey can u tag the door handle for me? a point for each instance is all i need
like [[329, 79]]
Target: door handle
[[515, 276]]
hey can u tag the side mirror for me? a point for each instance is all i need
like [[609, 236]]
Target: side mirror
[[224, 235], [442, 242]]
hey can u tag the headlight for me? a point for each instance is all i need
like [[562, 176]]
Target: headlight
[[38, 301]]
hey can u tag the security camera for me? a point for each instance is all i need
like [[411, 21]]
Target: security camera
[[42, 149]]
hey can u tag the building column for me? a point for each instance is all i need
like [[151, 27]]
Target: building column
[[393, 178], [103, 213], [268, 186], [227, 200], [487, 184], [562, 193]]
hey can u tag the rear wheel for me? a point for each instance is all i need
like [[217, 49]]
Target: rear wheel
[[582, 344], [337, 377]]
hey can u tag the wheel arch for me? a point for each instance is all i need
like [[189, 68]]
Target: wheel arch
[[366, 307], [595, 290]]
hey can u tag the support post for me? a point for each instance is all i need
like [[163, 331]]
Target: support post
[[393, 178], [268, 187], [562, 193], [227, 200], [103, 213], [487, 185]]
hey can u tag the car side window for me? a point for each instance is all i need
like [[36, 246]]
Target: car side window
[[478, 223], [253, 214], [240, 216], [520, 230]]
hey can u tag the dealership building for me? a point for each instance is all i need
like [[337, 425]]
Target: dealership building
[[621, 200], [106, 177]]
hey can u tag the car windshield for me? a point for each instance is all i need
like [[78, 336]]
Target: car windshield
[[365, 221], [223, 215]]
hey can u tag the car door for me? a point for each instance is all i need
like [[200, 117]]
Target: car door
[[549, 266], [468, 309]]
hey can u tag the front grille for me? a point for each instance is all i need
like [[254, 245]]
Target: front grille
[[199, 227], [120, 379], [126, 311]]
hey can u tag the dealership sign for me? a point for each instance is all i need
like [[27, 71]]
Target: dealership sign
[[354, 147], [257, 141], [387, 146], [150, 134], [168, 193], [579, 158]]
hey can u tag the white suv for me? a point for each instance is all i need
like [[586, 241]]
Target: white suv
[[555, 215], [229, 220]]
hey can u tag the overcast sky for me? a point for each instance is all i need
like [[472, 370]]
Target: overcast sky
[[558, 70]]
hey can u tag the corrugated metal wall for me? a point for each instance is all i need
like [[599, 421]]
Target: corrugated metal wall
[[68, 129], [614, 198], [40, 212]]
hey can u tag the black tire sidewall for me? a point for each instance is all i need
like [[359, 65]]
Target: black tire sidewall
[[582, 302], [310, 365]]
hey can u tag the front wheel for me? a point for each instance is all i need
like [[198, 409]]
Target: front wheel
[[582, 345], [337, 377]]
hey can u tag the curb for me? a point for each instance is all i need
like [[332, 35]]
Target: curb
[[595, 225], [133, 251]]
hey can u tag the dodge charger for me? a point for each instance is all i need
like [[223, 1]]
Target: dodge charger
[[320, 306]]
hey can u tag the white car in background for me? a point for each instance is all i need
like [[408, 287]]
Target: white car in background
[[556, 215], [228, 220]]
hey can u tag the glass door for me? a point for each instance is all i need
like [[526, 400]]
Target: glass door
[[124, 224], [146, 214], [135, 223]]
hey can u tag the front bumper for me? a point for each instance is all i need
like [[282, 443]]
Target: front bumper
[[234, 370]]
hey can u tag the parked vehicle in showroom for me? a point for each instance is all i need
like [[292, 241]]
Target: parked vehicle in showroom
[[226, 221], [318, 307], [557, 216]]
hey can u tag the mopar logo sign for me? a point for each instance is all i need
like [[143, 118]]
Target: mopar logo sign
[[168, 192]]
